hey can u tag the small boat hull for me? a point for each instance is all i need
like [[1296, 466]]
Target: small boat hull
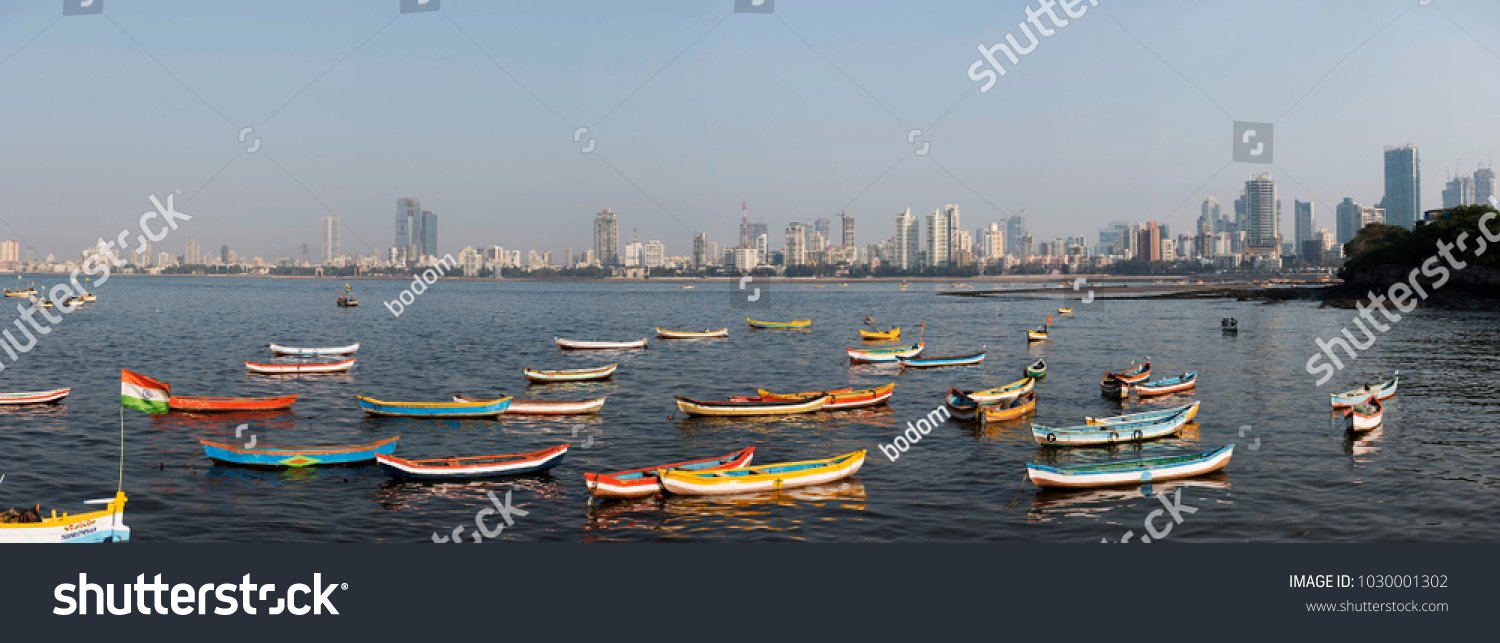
[[940, 362], [298, 369], [1383, 391], [1098, 434], [198, 404], [894, 333], [1009, 410], [437, 410], [1004, 393], [840, 399], [269, 456], [1130, 472], [106, 525], [1166, 387], [491, 466], [333, 350], [599, 346], [1037, 370], [735, 408], [1033, 336], [34, 397], [883, 355], [1365, 416], [637, 483], [800, 323], [578, 375], [678, 334], [772, 477], [544, 407], [1192, 411]]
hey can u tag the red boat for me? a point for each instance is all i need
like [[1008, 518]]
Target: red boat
[[643, 482], [199, 404]]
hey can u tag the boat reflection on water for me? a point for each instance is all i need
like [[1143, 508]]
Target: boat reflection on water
[[416, 495], [1363, 443], [719, 516], [1056, 504], [173, 438], [766, 424], [571, 390], [227, 478], [46, 413]]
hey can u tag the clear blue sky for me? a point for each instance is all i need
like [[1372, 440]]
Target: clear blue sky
[[696, 109]]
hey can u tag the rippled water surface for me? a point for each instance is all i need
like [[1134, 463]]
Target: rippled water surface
[[1432, 473]]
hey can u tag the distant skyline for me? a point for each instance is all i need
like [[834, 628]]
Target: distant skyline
[[692, 110]]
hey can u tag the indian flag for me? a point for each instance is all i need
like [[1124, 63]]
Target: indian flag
[[143, 393]]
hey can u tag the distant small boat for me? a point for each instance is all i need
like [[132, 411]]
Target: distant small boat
[[1167, 386], [770, 477], [1131, 375], [34, 397], [643, 482], [843, 285], [436, 410], [197, 404], [839, 399], [1009, 410], [1037, 369], [336, 350], [484, 466], [1005, 393], [103, 526], [1113, 433], [801, 323], [347, 300], [682, 334], [575, 375], [894, 333], [1365, 415], [1037, 335], [599, 346], [820, 285], [749, 408], [1230, 325], [687, 286], [883, 355], [24, 292], [1382, 391], [303, 367], [41, 303], [74, 302], [1065, 311], [1191, 409], [269, 456], [939, 362], [1131, 472], [543, 407]]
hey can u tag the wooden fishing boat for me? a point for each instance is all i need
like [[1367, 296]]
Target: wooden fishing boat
[[894, 333], [34, 397], [1010, 409], [1131, 472], [682, 334], [960, 404], [1113, 433], [939, 362], [883, 355], [41, 303], [801, 323], [1165, 387], [483, 466], [1037, 369], [298, 368], [334, 350], [1005, 393], [73, 302], [1114, 384], [439, 410], [636, 483], [24, 292], [599, 346], [749, 408], [543, 407], [575, 375], [90, 298], [1230, 325], [1192, 412], [197, 404], [271, 456], [686, 286], [839, 399], [1038, 335], [1065, 311], [1365, 415], [820, 285], [771, 477], [347, 300], [1382, 391], [103, 526]]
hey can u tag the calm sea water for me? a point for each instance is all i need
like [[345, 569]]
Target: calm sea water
[[1428, 475]]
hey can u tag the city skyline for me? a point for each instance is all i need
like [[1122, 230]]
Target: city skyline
[[860, 84]]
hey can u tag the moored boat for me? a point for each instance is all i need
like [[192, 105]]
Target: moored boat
[[960, 404], [894, 333], [839, 399], [799, 323], [200, 404], [1382, 391], [439, 410], [1230, 325], [1005, 393], [939, 362], [1365, 415], [301, 367], [1093, 434], [347, 299], [788, 475], [1037, 369], [332, 350], [1192, 412], [34, 397], [883, 355], [644, 482], [543, 407], [1167, 386], [1065, 311], [1009, 409], [682, 334], [575, 345], [484, 466], [1131, 472], [749, 408], [24, 292], [102, 526], [575, 375], [1113, 382], [1037, 335], [275, 456]]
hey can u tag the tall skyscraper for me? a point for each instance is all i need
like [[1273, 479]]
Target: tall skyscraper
[[190, 253], [848, 230], [408, 219], [1263, 235], [1302, 223], [224, 254], [1459, 191], [1346, 220], [429, 233], [1484, 185], [796, 245], [1403, 185], [906, 241], [1015, 228], [633, 255], [823, 226], [950, 213], [330, 239], [939, 240], [607, 238], [700, 250], [654, 254], [1212, 214], [1150, 243]]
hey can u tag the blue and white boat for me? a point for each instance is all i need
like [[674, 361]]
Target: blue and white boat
[[938, 362], [1122, 472], [1382, 391], [444, 410], [1192, 410], [270, 456], [884, 355], [1076, 436]]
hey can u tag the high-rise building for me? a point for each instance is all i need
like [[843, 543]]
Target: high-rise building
[[1403, 185], [429, 233], [907, 245], [330, 239], [31, 255], [746, 259], [633, 256], [1212, 214], [408, 220], [1459, 191], [607, 238], [1015, 228], [654, 254], [939, 242], [190, 252], [1025, 247], [950, 214], [1302, 223], [700, 250], [1346, 220], [1149, 243], [992, 242], [848, 231], [224, 254], [1484, 185], [1368, 216], [823, 226], [758, 228], [796, 245], [1263, 235], [763, 249], [1112, 238], [10, 254]]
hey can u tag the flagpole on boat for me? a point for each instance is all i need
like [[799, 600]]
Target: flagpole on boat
[[121, 487]]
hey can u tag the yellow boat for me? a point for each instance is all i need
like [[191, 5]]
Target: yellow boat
[[1065, 311], [766, 477], [839, 399], [1005, 393], [26, 292], [1005, 411], [106, 525], [744, 407], [1034, 336], [798, 323], [820, 286], [894, 333]]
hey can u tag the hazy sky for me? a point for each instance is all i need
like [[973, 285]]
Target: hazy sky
[[1123, 114]]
